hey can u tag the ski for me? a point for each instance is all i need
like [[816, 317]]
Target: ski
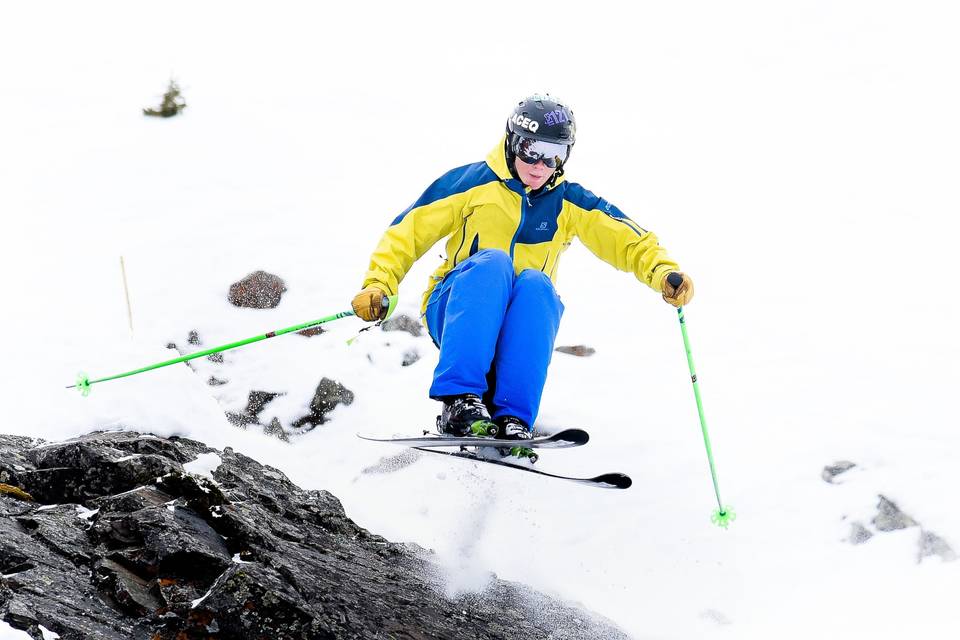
[[560, 440], [604, 481]]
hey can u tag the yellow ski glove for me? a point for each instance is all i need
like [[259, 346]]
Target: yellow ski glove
[[368, 304]]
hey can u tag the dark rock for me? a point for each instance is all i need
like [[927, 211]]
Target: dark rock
[[890, 518], [580, 350], [401, 322], [859, 533], [257, 400], [241, 420], [246, 555], [12, 460], [194, 338], [135, 596], [310, 332], [275, 429], [83, 469], [216, 382], [216, 358], [933, 545], [409, 357], [832, 471], [329, 394], [259, 290]]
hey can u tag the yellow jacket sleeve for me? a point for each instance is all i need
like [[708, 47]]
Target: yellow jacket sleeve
[[432, 217], [407, 239], [616, 239]]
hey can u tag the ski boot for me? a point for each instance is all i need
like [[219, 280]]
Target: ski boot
[[465, 416], [511, 428]]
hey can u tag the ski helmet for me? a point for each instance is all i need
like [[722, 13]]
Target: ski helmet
[[543, 118]]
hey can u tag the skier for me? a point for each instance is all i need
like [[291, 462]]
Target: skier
[[491, 306]]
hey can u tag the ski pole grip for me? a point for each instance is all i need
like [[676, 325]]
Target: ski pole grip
[[388, 303], [675, 279]]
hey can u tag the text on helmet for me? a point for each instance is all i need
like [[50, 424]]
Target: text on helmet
[[555, 117], [525, 123]]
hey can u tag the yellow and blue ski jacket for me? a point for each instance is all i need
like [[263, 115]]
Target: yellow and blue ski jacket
[[482, 206]]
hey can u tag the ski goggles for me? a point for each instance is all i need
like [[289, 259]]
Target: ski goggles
[[533, 151]]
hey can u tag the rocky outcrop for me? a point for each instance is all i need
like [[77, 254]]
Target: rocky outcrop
[[110, 536], [259, 290]]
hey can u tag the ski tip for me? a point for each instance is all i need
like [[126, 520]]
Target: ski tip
[[614, 481], [576, 437]]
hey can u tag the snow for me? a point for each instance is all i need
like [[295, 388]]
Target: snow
[[799, 161], [195, 603], [9, 633], [204, 465], [85, 514]]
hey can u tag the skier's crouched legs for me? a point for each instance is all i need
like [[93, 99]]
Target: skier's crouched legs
[[464, 315], [524, 351]]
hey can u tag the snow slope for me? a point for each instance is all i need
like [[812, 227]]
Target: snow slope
[[799, 162]]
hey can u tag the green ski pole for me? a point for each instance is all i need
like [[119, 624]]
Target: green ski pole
[[723, 516], [84, 382]]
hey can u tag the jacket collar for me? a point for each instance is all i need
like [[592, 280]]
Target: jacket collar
[[497, 159]]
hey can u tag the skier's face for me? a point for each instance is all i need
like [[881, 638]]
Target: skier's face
[[533, 175]]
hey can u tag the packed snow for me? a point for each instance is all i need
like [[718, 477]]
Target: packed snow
[[798, 160]]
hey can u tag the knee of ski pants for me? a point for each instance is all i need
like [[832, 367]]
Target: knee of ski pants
[[495, 263], [537, 283], [493, 259]]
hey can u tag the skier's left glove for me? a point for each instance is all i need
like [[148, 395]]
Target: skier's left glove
[[677, 296], [368, 304]]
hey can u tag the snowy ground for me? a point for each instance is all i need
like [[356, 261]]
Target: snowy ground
[[799, 162]]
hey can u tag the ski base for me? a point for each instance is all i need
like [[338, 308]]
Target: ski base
[[604, 481]]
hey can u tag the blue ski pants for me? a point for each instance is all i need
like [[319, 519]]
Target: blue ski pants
[[496, 332]]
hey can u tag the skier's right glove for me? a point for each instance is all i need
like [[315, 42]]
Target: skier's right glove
[[368, 304]]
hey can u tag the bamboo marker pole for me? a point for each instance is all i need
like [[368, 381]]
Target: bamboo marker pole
[[126, 293]]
